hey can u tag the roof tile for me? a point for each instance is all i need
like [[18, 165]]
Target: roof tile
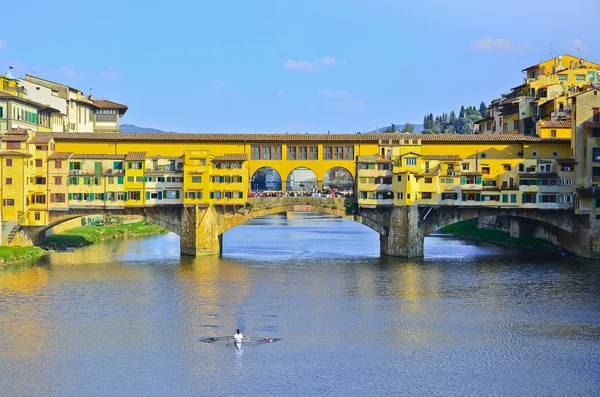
[[14, 153], [100, 156], [231, 157], [136, 156], [555, 124], [442, 157], [60, 156]]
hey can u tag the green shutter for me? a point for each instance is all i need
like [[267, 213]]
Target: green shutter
[[513, 198], [92, 197], [86, 180], [70, 165], [98, 167], [533, 198], [540, 199], [505, 198], [464, 197], [478, 180], [523, 198], [160, 195], [463, 180], [478, 197], [147, 195], [455, 195], [120, 180], [176, 194], [70, 196], [1, 110]]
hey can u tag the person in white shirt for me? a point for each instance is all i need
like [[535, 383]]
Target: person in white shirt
[[238, 337]]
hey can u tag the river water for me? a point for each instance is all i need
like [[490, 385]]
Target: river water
[[127, 318]]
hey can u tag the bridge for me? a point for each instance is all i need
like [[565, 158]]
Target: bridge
[[401, 229]]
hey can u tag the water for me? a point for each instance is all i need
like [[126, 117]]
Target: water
[[126, 318]]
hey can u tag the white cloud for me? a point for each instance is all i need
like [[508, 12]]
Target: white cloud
[[309, 66], [111, 73], [575, 46], [281, 93], [491, 44], [68, 72], [3, 45], [335, 94]]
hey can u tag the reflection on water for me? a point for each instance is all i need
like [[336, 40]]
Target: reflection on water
[[128, 317]]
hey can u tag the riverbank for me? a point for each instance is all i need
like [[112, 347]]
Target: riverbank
[[468, 229], [88, 235], [12, 255]]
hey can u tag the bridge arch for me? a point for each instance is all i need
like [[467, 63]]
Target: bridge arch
[[266, 178], [555, 226], [301, 179], [338, 178]]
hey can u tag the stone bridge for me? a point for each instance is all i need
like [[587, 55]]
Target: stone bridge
[[402, 229]]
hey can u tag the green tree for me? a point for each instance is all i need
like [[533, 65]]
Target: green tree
[[462, 112], [393, 127], [408, 128], [482, 109]]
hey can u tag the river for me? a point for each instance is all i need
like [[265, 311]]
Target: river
[[127, 318]]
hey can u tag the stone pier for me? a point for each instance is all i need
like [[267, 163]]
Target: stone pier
[[200, 234], [403, 236]]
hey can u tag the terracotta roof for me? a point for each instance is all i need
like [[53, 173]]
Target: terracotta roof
[[555, 124], [231, 157], [374, 159], [566, 161], [13, 153], [251, 138], [41, 138], [60, 156], [136, 156], [582, 92], [442, 157], [470, 173], [98, 156], [18, 131], [105, 104], [15, 137]]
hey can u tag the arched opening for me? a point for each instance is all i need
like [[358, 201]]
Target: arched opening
[[301, 179], [338, 178], [265, 178]]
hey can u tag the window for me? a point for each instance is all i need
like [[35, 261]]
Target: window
[[399, 178], [139, 179], [39, 199], [38, 163], [216, 195], [566, 167], [349, 153], [171, 194], [40, 180], [596, 154], [111, 180], [399, 196], [313, 153], [327, 152], [562, 77], [426, 195], [428, 180], [9, 181], [196, 179], [36, 216], [9, 162], [8, 202], [135, 165], [485, 170], [291, 153], [465, 167], [105, 115], [580, 77], [338, 152], [13, 145], [411, 161], [135, 195], [58, 198], [507, 167], [58, 164]]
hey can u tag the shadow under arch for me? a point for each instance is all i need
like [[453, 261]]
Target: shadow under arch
[[301, 179], [338, 178], [266, 178]]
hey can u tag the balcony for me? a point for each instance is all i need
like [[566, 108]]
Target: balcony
[[164, 169], [114, 172]]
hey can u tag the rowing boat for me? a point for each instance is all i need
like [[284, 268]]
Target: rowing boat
[[238, 345]]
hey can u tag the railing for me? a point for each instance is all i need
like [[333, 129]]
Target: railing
[[164, 168]]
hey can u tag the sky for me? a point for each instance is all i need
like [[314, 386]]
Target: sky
[[296, 66]]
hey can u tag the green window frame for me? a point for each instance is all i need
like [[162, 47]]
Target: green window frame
[[513, 198], [505, 198], [120, 180]]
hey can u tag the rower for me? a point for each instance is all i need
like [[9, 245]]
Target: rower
[[238, 337]]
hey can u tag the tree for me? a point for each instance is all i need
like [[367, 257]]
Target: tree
[[483, 109], [462, 112], [388, 130], [393, 127], [408, 128], [452, 117]]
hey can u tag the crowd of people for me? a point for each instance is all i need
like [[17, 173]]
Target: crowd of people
[[328, 193]]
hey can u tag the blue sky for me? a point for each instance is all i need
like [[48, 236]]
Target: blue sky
[[291, 66]]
